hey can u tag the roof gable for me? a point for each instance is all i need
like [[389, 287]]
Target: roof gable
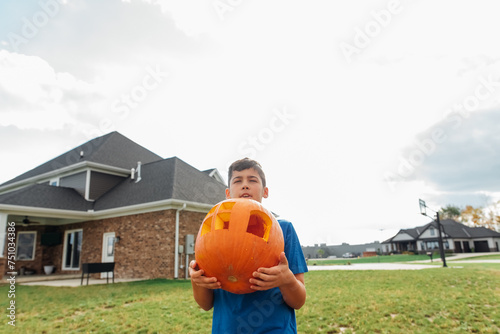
[[403, 236], [213, 172]]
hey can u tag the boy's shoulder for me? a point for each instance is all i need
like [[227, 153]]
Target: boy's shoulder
[[285, 225], [284, 222]]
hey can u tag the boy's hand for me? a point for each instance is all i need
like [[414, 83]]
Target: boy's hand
[[277, 276], [200, 280]]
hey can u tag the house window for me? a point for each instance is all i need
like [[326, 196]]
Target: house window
[[111, 247], [25, 250], [433, 232], [432, 245], [72, 249], [54, 182]]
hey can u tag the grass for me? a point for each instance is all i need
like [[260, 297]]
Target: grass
[[440, 300], [137, 307]]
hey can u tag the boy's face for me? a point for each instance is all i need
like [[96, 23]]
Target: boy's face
[[246, 184]]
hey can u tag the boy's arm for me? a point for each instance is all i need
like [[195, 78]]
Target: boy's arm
[[202, 287], [292, 286], [295, 293]]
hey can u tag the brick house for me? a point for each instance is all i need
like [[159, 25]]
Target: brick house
[[107, 200]]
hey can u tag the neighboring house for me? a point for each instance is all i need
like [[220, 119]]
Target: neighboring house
[[457, 238], [108, 200]]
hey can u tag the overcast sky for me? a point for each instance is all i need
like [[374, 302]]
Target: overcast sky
[[355, 109]]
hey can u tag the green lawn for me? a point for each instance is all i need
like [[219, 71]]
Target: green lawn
[[371, 259], [440, 300]]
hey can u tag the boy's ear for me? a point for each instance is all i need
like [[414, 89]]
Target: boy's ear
[[228, 193], [266, 192]]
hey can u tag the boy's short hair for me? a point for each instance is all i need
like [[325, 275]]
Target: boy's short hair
[[243, 164]]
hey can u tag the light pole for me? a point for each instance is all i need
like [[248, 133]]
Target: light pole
[[423, 211]]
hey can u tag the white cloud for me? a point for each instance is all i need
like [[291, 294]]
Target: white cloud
[[42, 98], [225, 76]]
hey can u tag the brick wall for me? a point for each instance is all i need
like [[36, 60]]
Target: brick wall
[[145, 250], [147, 242]]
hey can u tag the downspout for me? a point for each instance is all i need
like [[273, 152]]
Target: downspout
[[176, 258]]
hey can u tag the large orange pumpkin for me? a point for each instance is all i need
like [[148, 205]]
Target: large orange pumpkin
[[237, 237]]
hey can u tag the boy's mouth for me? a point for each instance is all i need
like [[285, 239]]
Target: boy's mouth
[[246, 196]]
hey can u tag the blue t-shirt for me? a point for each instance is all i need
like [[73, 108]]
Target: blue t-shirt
[[260, 311]]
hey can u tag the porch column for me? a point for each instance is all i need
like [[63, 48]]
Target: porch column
[[3, 232]]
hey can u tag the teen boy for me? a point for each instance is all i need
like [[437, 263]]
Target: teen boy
[[279, 290]]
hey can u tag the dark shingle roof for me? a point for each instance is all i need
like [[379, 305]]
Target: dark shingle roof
[[112, 149], [454, 229], [413, 232], [166, 179], [457, 230], [161, 180], [190, 184], [480, 232], [45, 196]]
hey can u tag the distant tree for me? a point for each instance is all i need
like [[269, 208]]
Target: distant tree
[[320, 252], [450, 212], [492, 217], [472, 216], [488, 216]]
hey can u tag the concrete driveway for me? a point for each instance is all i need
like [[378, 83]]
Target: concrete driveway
[[450, 261], [74, 282], [374, 266]]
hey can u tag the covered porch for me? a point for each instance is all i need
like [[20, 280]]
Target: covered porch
[[60, 280]]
